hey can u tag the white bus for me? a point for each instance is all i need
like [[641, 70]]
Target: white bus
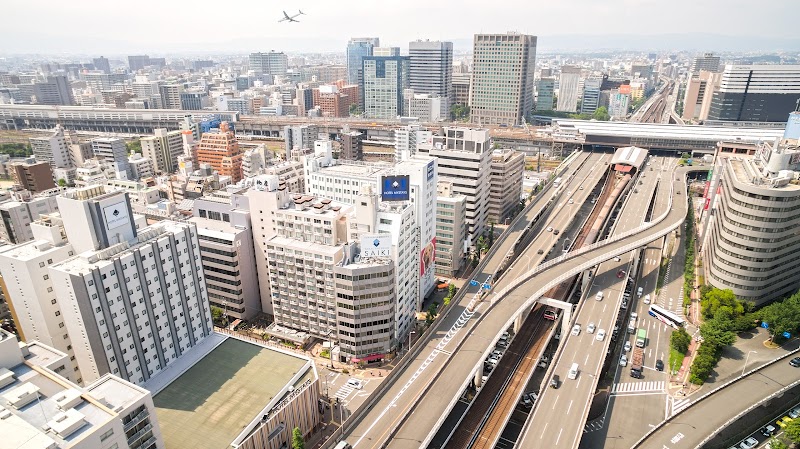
[[666, 316]]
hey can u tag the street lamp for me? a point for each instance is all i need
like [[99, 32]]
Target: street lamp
[[409, 339], [745, 361]]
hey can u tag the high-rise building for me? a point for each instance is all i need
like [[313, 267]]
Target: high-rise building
[[32, 176], [163, 148], [299, 137], [465, 158], [138, 62], [405, 141], [112, 151], [591, 95], [385, 78], [102, 64], [352, 146], [751, 243], [502, 78], [451, 229], [45, 408], [170, 96], [193, 101], [545, 93], [569, 89], [272, 63], [756, 93], [461, 88], [707, 62], [53, 149], [226, 253], [699, 94], [221, 151], [431, 71], [56, 90], [619, 102], [357, 49], [505, 185]]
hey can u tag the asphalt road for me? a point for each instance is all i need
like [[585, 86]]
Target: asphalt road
[[572, 400], [425, 389], [687, 429]]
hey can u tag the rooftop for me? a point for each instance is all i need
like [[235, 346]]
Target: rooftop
[[663, 131], [211, 403]]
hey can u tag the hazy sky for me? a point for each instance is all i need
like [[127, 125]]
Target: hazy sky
[[113, 26]]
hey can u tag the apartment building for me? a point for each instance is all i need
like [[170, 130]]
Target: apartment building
[[53, 149], [108, 413], [451, 230], [163, 148], [221, 151], [299, 137], [505, 185], [113, 152], [272, 63], [32, 176], [20, 211], [140, 167]]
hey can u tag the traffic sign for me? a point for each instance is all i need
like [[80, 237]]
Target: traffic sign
[[787, 335], [486, 285], [764, 325], [473, 283]]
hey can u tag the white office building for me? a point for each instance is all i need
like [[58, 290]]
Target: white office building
[[140, 167], [114, 152], [163, 148], [53, 149], [569, 90], [424, 107]]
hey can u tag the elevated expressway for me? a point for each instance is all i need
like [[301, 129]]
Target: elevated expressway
[[418, 398]]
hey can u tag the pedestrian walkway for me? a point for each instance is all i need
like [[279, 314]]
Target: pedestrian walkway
[[677, 406], [594, 425], [623, 388], [343, 392]]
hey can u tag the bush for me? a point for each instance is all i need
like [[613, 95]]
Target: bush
[[679, 340], [345, 371]]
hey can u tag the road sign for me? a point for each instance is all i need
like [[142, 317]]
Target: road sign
[[787, 335], [764, 325], [486, 285], [473, 283]]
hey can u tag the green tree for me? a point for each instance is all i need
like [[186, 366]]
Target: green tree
[[775, 443], [601, 114], [432, 312], [715, 299], [217, 315], [679, 340], [481, 243], [783, 316], [355, 109], [297, 439], [491, 234], [134, 146], [792, 430], [459, 111], [451, 290], [62, 182], [717, 332]]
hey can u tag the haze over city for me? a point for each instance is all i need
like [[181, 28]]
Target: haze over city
[[209, 26]]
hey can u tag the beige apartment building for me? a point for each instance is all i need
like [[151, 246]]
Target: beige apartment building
[[451, 229], [699, 92], [505, 184]]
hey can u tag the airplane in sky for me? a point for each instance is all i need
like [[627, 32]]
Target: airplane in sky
[[286, 17]]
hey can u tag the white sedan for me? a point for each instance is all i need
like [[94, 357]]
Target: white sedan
[[590, 328], [601, 334], [623, 361]]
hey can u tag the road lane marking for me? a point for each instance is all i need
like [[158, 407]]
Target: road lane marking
[[543, 431], [570, 407], [559, 435]]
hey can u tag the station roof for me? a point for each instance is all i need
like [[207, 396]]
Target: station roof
[[629, 157]]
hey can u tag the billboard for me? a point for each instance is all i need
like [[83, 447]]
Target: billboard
[[395, 188], [430, 169], [376, 245], [427, 256], [116, 215], [625, 89]]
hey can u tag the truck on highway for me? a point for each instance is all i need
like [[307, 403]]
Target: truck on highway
[[641, 338], [637, 360]]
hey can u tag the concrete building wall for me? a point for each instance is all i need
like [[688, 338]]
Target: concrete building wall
[[505, 184]]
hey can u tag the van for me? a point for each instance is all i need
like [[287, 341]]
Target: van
[[573, 371], [343, 445]]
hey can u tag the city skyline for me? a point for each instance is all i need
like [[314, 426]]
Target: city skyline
[[612, 20]]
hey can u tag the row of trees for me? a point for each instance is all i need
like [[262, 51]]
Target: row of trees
[[688, 271], [16, 149]]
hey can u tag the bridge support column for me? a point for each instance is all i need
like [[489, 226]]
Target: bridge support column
[[518, 322], [478, 377]]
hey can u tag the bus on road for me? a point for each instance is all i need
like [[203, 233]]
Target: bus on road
[[666, 316]]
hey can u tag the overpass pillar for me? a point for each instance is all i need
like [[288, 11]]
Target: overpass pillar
[[518, 322], [478, 377]]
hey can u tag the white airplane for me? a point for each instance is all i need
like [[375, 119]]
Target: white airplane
[[286, 17]]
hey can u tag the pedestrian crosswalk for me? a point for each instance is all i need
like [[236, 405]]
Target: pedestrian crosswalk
[[594, 425], [638, 387], [677, 406], [344, 392]]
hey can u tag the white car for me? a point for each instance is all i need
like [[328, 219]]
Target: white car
[[627, 346], [623, 361], [601, 334], [571, 201], [599, 296], [549, 229], [492, 360], [647, 298], [355, 383], [590, 328], [617, 259], [749, 443], [576, 329], [581, 188]]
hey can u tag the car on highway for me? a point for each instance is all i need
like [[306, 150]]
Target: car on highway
[[623, 361], [533, 395], [555, 231], [620, 274], [794, 413], [599, 296], [540, 251], [624, 304], [526, 402], [555, 382], [749, 443], [768, 430], [571, 201], [660, 365], [549, 229], [617, 259], [492, 360], [355, 383], [647, 298], [634, 315], [576, 329], [795, 362], [639, 292], [550, 315], [601, 335], [590, 328], [627, 346], [783, 422]]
